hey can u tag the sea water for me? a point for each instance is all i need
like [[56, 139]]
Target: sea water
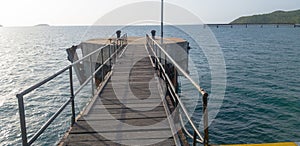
[[262, 96]]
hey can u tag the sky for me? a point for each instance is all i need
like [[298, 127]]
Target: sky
[[87, 12]]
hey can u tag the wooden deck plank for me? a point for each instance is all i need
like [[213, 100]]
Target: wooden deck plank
[[157, 142], [97, 116], [125, 136], [125, 109], [106, 101], [136, 107]]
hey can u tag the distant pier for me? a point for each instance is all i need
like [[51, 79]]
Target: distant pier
[[246, 25]]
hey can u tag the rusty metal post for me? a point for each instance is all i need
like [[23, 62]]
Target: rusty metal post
[[205, 119], [72, 95], [195, 138]]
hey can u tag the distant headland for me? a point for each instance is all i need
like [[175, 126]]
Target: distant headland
[[1, 26], [42, 25], [282, 17]]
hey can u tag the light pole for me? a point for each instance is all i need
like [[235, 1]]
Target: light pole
[[162, 22]]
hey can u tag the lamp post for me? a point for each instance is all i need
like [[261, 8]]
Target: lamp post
[[162, 22]]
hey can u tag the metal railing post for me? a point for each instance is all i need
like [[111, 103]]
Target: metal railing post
[[122, 41], [156, 63], [102, 61], [109, 52], [72, 95], [195, 138], [22, 119], [160, 71], [205, 119], [115, 50], [92, 74], [117, 44], [159, 55], [166, 61]]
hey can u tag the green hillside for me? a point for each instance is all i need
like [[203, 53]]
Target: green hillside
[[274, 17]]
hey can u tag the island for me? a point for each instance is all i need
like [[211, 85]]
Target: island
[[42, 25], [277, 17], [1, 26]]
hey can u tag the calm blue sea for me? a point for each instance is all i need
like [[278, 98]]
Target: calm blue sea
[[262, 97]]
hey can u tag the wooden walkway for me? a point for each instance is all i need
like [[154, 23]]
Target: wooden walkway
[[129, 110]]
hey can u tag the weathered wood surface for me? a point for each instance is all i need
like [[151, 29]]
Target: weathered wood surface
[[129, 110]]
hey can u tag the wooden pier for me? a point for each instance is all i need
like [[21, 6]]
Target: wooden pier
[[129, 110], [133, 102]]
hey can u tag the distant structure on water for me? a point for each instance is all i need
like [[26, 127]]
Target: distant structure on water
[[246, 25], [42, 25]]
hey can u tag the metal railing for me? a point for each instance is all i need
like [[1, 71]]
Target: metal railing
[[157, 51], [115, 46]]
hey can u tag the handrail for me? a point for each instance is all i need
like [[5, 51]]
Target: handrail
[[153, 44], [52, 118], [28, 90], [121, 42], [186, 131], [88, 55]]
